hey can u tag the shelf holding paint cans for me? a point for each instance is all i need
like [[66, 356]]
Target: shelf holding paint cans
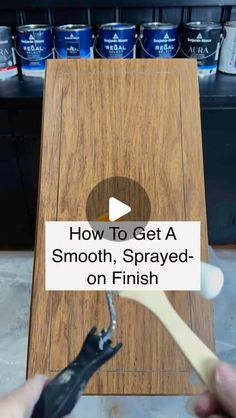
[[116, 40], [202, 40], [227, 62], [8, 67], [73, 41], [34, 46], [158, 40]]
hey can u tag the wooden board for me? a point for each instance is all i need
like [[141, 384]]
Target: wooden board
[[132, 118]]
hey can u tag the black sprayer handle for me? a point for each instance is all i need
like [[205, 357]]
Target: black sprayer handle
[[63, 391]]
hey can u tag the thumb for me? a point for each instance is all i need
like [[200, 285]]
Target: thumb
[[224, 386], [20, 402]]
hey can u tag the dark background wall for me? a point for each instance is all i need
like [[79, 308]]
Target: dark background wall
[[21, 108], [93, 12]]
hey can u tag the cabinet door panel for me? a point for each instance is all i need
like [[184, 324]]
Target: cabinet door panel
[[136, 114]]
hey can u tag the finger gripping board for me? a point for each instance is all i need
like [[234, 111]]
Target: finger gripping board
[[138, 119]]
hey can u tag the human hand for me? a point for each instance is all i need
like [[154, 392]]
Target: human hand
[[223, 403], [20, 403]]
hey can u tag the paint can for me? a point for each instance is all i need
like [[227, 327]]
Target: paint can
[[73, 41], [158, 40], [8, 67], [34, 47], [201, 40], [227, 63], [116, 40]]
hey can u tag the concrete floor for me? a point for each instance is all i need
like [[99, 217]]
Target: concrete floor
[[15, 286]]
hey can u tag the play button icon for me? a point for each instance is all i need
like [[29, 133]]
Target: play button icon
[[118, 199], [117, 209]]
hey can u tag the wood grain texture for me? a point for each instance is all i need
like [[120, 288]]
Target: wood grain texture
[[132, 118]]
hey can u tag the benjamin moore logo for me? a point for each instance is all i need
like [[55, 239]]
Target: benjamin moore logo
[[199, 36], [31, 39], [116, 39], [166, 36]]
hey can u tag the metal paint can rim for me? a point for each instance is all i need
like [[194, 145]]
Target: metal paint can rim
[[32, 28], [117, 26], [158, 25], [70, 27], [200, 24], [5, 27]]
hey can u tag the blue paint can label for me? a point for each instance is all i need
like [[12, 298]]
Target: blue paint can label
[[8, 66], [201, 40], [72, 49], [158, 40], [116, 40], [34, 46], [74, 41]]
